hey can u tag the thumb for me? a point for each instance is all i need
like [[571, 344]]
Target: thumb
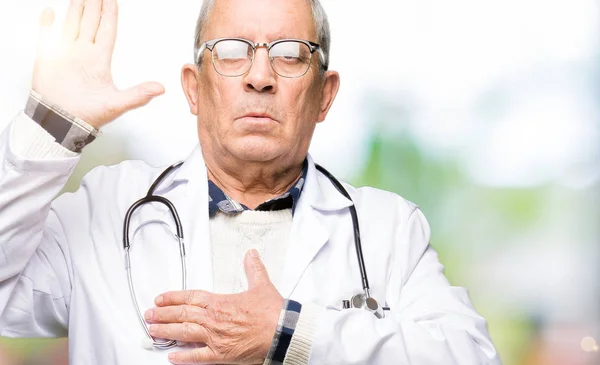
[[256, 272], [139, 95]]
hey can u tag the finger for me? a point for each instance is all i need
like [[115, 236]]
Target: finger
[[47, 19], [70, 28], [90, 20], [256, 272], [45, 36], [190, 297], [203, 355], [176, 314], [137, 96], [107, 30], [186, 332]]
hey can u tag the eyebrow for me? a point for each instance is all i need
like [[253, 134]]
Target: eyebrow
[[277, 36]]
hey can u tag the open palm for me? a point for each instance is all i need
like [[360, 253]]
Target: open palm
[[76, 74]]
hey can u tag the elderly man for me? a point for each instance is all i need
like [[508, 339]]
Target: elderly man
[[250, 195]]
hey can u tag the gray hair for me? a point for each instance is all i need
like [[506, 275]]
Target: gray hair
[[321, 25]]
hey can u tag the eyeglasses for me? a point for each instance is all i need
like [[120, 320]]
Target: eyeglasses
[[233, 57]]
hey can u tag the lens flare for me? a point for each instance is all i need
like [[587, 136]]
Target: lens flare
[[588, 344]]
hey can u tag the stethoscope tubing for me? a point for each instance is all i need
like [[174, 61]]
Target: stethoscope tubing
[[150, 197], [357, 242]]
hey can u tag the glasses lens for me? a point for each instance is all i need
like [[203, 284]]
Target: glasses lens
[[290, 58], [232, 57]]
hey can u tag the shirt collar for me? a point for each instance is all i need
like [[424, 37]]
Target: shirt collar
[[219, 201]]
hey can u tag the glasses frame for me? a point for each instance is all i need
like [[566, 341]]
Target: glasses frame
[[209, 45]]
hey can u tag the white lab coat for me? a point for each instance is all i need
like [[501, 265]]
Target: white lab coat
[[62, 271]]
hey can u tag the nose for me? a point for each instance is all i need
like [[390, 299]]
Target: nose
[[261, 77]]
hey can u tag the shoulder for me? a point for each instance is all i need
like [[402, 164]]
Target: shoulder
[[386, 213], [109, 185], [395, 224], [127, 179], [131, 172], [381, 203]]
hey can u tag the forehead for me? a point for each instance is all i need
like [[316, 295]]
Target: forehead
[[261, 20]]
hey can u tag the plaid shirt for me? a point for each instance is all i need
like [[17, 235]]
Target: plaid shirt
[[69, 131], [219, 201], [288, 318], [290, 312]]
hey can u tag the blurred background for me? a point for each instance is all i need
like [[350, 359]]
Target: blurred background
[[484, 113]]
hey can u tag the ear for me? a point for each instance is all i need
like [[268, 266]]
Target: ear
[[190, 82], [330, 90]]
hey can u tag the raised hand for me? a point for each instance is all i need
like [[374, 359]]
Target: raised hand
[[236, 328], [75, 75]]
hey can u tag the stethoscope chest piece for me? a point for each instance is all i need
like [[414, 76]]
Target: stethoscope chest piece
[[362, 301]]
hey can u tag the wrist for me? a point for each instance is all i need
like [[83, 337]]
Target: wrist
[[286, 326], [67, 130]]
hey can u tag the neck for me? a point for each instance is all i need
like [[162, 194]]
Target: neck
[[253, 183]]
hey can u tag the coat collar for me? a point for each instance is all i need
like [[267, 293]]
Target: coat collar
[[318, 191], [193, 168], [308, 233]]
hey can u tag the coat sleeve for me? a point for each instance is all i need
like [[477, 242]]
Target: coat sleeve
[[430, 322], [35, 272]]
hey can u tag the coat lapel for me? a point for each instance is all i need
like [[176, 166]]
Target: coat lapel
[[309, 233], [307, 237]]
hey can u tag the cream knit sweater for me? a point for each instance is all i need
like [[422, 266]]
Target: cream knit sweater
[[232, 235]]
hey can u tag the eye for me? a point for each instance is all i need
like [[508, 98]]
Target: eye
[[231, 50], [290, 52]]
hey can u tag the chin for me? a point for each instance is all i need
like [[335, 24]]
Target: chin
[[257, 149]]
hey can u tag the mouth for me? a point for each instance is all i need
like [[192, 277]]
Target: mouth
[[257, 122], [259, 116]]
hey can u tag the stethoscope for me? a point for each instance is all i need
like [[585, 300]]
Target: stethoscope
[[362, 300]]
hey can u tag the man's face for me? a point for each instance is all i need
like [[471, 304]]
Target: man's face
[[259, 116]]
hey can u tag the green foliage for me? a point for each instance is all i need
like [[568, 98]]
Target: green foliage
[[467, 220]]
